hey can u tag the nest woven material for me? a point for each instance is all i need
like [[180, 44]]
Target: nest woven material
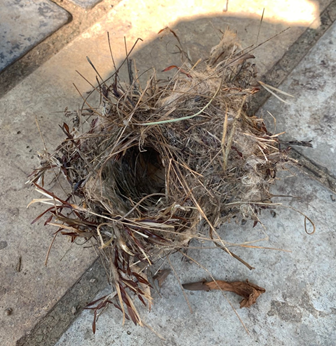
[[161, 164]]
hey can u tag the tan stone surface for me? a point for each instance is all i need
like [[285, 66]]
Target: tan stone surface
[[45, 93]]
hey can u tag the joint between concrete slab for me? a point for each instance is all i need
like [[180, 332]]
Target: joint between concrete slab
[[277, 74], [78, 21], [282, 69], [315, 171], [50, 328]]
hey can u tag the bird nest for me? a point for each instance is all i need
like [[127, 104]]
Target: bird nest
[[159, 164]]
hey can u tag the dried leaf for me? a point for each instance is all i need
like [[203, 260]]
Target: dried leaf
[[180, 69], [94, 302], [94, 322], [240, 60], [141, 279], [132, 315], [161, 276], [249, 291]]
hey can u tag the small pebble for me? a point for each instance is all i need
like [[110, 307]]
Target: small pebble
[[333, 198], [93, 280], [8, 311], [73, 310]]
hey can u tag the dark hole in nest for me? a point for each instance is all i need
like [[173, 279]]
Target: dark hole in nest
[[138, 174]]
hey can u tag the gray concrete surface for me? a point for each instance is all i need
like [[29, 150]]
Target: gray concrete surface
[[85, 3], [311, 113], [298, 308], [32, 291], [25, 23], [81, 20]]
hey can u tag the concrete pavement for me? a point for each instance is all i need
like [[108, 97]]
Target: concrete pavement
[[24, 24]]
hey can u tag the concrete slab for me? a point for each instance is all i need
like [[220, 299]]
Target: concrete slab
[[25, 23], [37, 56], [311, 114], [48, 91], [298, 308], [87, 4]]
